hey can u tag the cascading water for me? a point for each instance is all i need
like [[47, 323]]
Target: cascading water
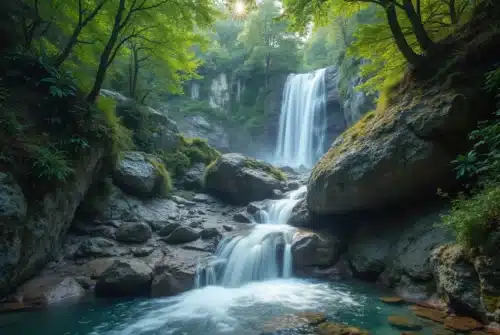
[[302, 125], [264, 253]]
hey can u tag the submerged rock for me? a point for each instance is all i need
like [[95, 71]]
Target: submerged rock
[[125, 278], [404, 323], [293, 321], [239, 179]]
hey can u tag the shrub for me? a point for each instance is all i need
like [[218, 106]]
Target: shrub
[[51, 164], [472, 219]]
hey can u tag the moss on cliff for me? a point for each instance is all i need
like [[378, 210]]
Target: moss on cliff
[[267, 168]]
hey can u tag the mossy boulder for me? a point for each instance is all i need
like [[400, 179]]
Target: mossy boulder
[[142, 175], [239, 179], [393, 155]]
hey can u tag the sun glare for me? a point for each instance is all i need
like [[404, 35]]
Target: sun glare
[[239, 8]]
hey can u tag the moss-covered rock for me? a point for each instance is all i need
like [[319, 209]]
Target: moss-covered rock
[[240, 179]]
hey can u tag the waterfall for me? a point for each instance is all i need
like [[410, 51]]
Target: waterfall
[[264, 253], [302, 125]]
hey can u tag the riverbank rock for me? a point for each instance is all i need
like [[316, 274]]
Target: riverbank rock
[[125, 278], [176, 272], [313, 249], [134, 232], [404, 323], [137, 175], [329, 328], [457, 280], [400, 150], [239, 179], [193, 178], [182, 234], [300, 215], [49, 290]]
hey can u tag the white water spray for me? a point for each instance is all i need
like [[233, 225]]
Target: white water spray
[[265, 253], [302, 127]]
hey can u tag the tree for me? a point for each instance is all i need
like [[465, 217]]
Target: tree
[[267, 39]]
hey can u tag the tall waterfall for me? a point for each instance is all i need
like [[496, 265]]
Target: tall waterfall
[[264, 253], [302, 125]]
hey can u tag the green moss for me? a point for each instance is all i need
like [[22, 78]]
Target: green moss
[[189, 152], [492, 303], [258, 165], [473, 218], [164, 187]]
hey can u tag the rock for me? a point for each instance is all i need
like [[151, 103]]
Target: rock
[[97, 247], [193, 178], [294, 321], [134, 232], [50, 290], [182, 234], [293, 185], [401, 151], [457, 280], [136, 174], [32, 235], [125, 278], [142, 252], [277, 194], [392, 300], [210, 233], [240, 180], [300, 215], [429, 313], [242, 217], [176, 272], [403, 322], [180, 200], [462, 324], [254, 207], [313, 249], [227, 227], [201, 127], [203, 198], [328, 328]]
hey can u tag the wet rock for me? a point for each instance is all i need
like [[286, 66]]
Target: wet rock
[[462, 324], [208, 233], [429, 313], [134, 232], [142, 252], [176, 272], [182, 234], [313, 249], [254, 207], [180, 200], [329, 328], [457, 280], [277, 194], [125, 278], [97, 247], [403, 322], [50, 290], [293, 321], [242, 217], [240, 180], [392, 300], [293, 185], [227, 227], [136, 174], [300, 215], [193, 178]]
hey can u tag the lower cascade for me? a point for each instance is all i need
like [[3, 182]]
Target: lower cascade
[[261, 254]]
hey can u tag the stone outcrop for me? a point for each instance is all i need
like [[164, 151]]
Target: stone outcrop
[[31, 235], [240, 180], [137, 174], [402, 151], [314, 249], [125, 278]]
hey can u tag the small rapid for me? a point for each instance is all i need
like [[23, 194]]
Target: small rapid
[[263, 253]]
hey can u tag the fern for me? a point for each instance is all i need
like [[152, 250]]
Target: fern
[[51, 164]]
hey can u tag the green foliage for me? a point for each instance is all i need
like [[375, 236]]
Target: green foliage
[[268, 168], [189, 152], [51, 164], [473, 219], [164, 186], [61, 84], [121, 137]]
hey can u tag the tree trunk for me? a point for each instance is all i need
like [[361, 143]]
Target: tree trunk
[[453, 12], [135, 74], [106, 54], [423, 38], [69, 46], [411, 56]]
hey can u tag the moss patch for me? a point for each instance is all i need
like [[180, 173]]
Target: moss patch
[[258, 165], [189, 152], [164, 186]]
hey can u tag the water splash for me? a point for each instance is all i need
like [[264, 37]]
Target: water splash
[[264, 253], [302, 125]]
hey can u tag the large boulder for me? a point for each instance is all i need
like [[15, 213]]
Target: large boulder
[[134, 232], [125, 278], [457, 280], [201, 127], [193, 178], [239, 179], [50, 290], [31, 235], [182, 234], [314, 249], [402, 151], [137, 174], [300, 216], [176, 272]]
